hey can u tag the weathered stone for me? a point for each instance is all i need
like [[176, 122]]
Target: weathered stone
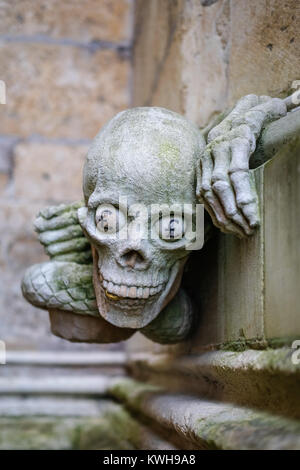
[[36, 433], [205, 57], [265, 48], [7, 144], [95, 20], [156, 30], [204, 424], [281, 233], [190, 44], [36, 175], [61, 91], [78, 424], [4, 179], [265, 379]]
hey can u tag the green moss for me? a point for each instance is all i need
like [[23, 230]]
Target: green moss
[[114, 429], [257, 344], [131, 392], [242, 429], [168, 151]]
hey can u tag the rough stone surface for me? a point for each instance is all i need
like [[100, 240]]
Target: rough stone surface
[[282, 233], [48, 423], [264, 48], [61, 91], [265, 379], [66, 67], [206, 57], [112, 429], [204, 424], [4, 179], [36, 176], [95, 21]]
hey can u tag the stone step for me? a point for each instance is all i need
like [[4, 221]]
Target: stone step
[[62, 423], [15, 406], [69, 359], [261, 379], [55, 385], [198, 423]]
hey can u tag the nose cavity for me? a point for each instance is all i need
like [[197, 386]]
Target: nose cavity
[[133, 259]]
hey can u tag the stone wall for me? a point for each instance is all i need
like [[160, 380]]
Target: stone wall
[[198, 57], [66, 66]]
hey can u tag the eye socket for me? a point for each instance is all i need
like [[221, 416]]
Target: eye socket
[[109, 219], [171, 228]]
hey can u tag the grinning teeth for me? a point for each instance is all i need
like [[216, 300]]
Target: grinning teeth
[[146, 292], [139, 293], [132, 292], [123, 291]]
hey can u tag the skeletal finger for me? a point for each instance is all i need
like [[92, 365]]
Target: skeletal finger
[[84, 257], [54, 211], [213, 205], [223, 189], [60, 235], [75, 245], [218, 216], [220, 129], [245, 190], [244, 186], [242, 106], [264, 99], [206, 171], [254, 119], [67, 218], [199, 180], [240, 154]]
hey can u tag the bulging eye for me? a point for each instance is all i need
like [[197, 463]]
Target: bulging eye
[[109, 219], [170, 228]]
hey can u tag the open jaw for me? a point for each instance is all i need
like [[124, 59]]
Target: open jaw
[[129, 297], [134, 302]]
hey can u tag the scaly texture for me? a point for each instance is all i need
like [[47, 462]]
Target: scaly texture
[[61, 285]]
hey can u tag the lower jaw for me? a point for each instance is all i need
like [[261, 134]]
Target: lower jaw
[[123, 315]]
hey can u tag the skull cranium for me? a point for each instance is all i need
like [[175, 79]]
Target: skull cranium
[[146, 156]]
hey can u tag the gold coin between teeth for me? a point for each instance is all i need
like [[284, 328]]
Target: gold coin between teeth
[[111, 296]]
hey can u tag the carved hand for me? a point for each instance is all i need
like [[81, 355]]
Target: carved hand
[[59, 231], [226, 185]]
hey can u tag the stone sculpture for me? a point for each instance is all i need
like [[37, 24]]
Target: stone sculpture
[[101, 287]]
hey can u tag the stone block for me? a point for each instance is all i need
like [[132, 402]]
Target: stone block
[[49, 172], [265, 48], [89, 21], [282, 237], [207, 55], [61, 91], [3, 182]]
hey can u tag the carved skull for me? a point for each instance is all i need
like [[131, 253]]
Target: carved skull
[[144, 156]]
